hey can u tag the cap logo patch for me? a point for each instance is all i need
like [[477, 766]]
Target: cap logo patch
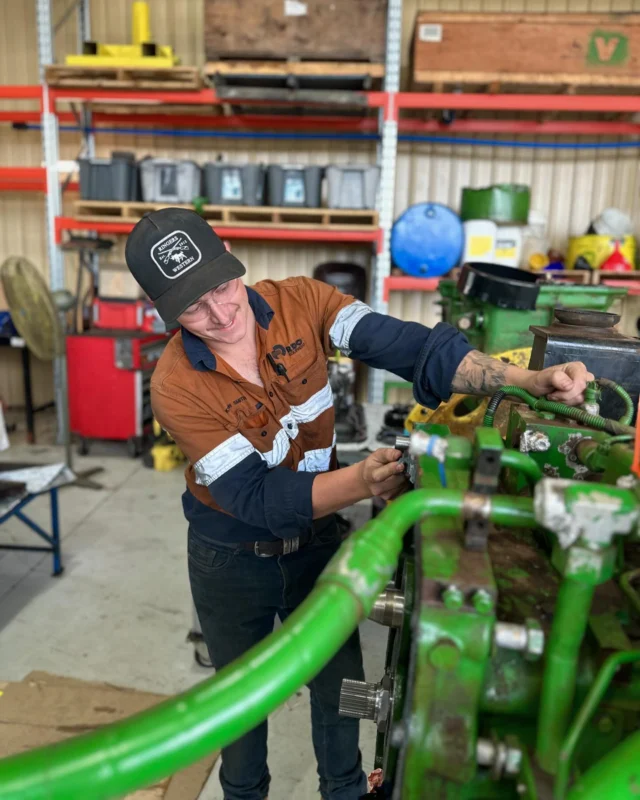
[[175, 254]]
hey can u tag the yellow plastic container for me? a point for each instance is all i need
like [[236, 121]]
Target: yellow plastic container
[[596, 249]]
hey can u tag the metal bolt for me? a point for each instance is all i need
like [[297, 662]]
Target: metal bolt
[[535, 639], [521, 788], [452, 598], [527, 638], [482, 602], [388, 608]]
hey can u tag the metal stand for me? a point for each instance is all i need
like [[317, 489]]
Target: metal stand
[[52, 539], [387, 158]]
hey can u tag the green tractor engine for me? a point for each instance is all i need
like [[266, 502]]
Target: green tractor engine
[[513, 658]]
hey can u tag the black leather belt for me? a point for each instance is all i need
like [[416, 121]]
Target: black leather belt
[[281, 547]]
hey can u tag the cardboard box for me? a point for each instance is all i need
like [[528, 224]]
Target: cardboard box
[[43, 709], [576, 49], [348, 30], [115, 282]]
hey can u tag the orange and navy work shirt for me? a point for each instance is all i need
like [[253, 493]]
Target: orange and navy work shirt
[[254, 451]]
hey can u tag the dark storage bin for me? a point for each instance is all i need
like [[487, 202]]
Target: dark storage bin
[[347, 278], [114, 178], [231, 184], [294, 186]]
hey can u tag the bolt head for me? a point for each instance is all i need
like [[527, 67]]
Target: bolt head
[[513, 761], [535, 639], [482, 602], [452, 598]]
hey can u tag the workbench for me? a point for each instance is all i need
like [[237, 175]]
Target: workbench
[[39, 480]]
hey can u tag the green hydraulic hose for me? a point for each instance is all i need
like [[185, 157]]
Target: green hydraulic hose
[[541, 404], [615, 777], [570, 619], [626, 418], [148, 747], [513, 459], [591, 702]]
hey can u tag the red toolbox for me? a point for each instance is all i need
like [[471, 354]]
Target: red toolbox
[[109, 375], [126, 315]]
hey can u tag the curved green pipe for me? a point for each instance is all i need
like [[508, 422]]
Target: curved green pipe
[[587, 709], [614, 777], [148, 747], [513, 459], [570, 620], [623, 394]]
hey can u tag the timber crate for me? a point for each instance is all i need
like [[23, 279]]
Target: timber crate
[[570, 52], [244, 216], [169, 79], [348, 30]]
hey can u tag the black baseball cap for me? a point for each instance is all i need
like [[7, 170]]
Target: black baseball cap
[[176, 257]]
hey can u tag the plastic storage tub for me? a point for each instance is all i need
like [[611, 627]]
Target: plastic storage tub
[[294, 186], [230, 184], [114, 178], [167, 180], [352, 186]]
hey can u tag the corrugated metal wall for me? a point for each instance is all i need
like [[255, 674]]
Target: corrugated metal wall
[[569, 187]]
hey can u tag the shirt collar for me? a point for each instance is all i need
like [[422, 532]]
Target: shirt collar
[[199, 355]]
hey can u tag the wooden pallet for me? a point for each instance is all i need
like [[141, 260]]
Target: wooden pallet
[[523, 82], [140, 78], [337, 69], [324, 81], [245, 216]]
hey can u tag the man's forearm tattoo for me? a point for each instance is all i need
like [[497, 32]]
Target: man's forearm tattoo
[[479, 374]]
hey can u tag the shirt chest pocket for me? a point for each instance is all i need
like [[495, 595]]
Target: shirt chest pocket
[[266, 436], [307, 393]]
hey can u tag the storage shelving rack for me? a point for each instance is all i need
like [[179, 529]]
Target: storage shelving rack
[[390, 128]]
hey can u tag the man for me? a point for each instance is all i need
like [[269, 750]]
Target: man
[[243, 390]]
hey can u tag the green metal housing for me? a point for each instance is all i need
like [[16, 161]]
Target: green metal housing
[[494, 330], [457, 687]]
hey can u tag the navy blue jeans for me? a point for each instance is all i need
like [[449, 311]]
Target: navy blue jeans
[[237, 596]]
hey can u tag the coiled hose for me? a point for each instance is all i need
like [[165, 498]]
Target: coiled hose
[[626, 418], [541, 404]]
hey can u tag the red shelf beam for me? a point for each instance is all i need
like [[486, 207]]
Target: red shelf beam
[[633, 287], [20, 92], [26, 179], [145, 123], [404, 283], [519, 102], [392, 104], [229, 232]]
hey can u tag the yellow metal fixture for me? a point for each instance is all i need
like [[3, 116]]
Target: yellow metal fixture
[[142, 52], [464, 412]]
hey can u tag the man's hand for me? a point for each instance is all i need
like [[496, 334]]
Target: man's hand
[[565, 383], [383, 474], [481, 374]]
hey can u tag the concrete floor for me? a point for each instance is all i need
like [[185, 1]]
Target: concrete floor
[[121, 610]]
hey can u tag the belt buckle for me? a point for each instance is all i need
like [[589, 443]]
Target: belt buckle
[[256, 550], [290, 545]]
